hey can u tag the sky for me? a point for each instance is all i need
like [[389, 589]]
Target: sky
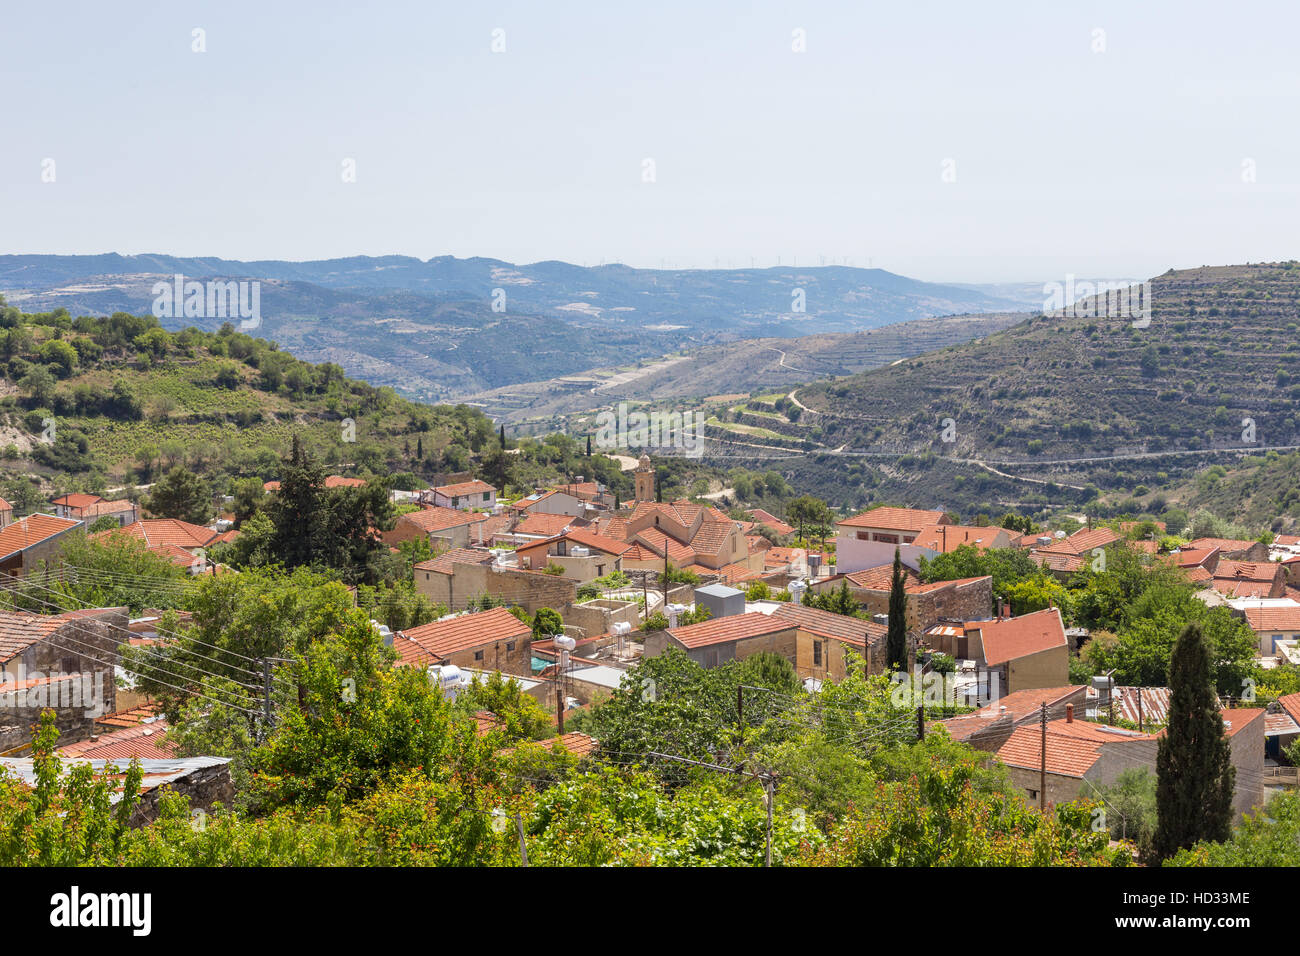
[[949, 141]]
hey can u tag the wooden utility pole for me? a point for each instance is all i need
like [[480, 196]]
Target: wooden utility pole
[[1042, 773], [559, 707], [920, 722], [1112, 699], [523, 847], [1141, 723]]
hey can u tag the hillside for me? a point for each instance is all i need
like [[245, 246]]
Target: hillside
[[90, 403], [1057, 403], [735, 367], [430, 331]]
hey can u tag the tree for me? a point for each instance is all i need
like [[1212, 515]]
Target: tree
[[68, 818], [807, 510], [896, 642], [39, 385], [1194, 769], [547, 622], [181, 494]]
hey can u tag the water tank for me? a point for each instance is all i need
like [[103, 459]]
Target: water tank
[[564, 642], [385, 632], [796, 589]]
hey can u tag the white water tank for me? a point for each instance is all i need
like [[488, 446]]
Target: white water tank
[[385, 632], [796, 589], [620, 630], [674, 612]]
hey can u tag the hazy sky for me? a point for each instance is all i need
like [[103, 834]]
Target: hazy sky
[[1118, 163]]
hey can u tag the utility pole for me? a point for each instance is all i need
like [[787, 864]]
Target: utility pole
[[1042, 773], [1110, 677], [559, 707], [1141, 723], [920, 722]]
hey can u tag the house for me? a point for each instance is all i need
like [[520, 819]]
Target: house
[[1233, 549], [1280, 735], [542, 525], [27, 542], [494, 638], [928, 604], [64, 661], [1249, 579], [145, 741], [989, 727], [943, 538], [1026, 652], [830, 635], [759, 516], [6, 514], [1063, 557], [466, 495], [90, 508], [180, 542], [715, 642], [688, 533], [583, 555], [457, 577], [442, 527], [1081, 757], [1272, 620], [203, 781], [553, 502], [868, 540]]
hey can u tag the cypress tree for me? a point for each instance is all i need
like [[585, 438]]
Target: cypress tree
[[896, 643], [502, 436], [588, 446], [1194, 772]]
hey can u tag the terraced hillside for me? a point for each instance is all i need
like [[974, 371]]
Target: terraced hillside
[[736, 367], [1043, 410]]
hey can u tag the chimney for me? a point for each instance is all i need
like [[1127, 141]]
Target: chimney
[[1069, 713]]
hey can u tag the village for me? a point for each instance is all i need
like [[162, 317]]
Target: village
[[622, 583]]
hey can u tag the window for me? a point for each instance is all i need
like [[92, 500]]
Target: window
[[600, 570], [510, 646], [487, 496], [864, 535], [817, 653], [478, 655], [1033, 794]]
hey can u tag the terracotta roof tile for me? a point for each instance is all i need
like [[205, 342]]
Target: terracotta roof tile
[[466, 631], [1016, 637], [723, 630], [893, 519]]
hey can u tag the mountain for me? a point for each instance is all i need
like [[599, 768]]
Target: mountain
[[1039, 412], [446, 328], [741, 367]]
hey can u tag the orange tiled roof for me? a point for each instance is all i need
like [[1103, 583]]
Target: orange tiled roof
[[544, 524], [156, 532], [893, 519], [1026, 703], [20, 630], [1291, 704], [881, 578], [467, 631], [1081, 542], [852, 630], [723, 630], [443, 563], [461, 489], [1072, 746], [32, 530], [949, 537], [1273, 618], [435, 518], [1016, 637], [145, 741]]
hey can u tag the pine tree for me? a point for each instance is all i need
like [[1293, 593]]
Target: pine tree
[[1194, 772], [896, 643]]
